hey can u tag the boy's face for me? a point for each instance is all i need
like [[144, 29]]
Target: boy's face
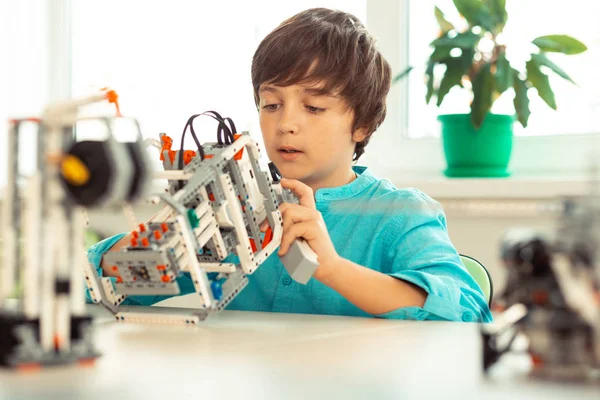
[[308, 135]]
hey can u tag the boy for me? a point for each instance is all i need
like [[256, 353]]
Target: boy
[[320, 87]]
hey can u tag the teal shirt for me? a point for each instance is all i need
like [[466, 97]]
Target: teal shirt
[[399, 232]]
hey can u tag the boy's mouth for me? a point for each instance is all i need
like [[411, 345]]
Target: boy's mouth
[[288, 150], [288, 153]]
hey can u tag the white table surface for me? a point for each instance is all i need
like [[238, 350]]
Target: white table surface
[[249, 355]]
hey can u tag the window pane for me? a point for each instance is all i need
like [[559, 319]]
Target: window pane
[[578, 106], [169, 60]]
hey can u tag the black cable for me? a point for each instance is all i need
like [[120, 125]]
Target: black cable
[[188, 123], [222, 128], [233, 130]]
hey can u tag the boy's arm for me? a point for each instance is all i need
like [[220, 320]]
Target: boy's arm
[[424, 277], [106, 270], [370, 290]]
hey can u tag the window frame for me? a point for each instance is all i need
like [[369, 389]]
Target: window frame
[[393, 153]]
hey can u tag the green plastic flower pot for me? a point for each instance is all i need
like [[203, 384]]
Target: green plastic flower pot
[[482, 153]]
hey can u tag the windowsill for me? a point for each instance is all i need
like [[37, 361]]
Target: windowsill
[[514, 187]]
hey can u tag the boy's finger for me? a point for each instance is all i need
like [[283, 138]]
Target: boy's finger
[[304, 192], [264, 225], [295, 214], [300, 230]]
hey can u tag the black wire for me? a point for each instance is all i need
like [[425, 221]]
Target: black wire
[[232, 128], [189, 123], [223, 128]]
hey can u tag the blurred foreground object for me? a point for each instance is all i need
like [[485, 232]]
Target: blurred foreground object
[[43, 232], [552, 294]]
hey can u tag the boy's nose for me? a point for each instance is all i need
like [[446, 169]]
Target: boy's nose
[[287, 129], [288, 123]]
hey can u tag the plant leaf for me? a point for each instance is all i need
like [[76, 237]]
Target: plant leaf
[[503, 73], [402, 74], [540, 81], [445, 26], [475, 12], [560, 44], [521, 101], [429, 77], [464, 40], [498, 12], [440, 53], [541, 59], [456, 68], [483, 86]]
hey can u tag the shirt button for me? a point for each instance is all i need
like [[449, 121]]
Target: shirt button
[[467, 317], [287, 280]]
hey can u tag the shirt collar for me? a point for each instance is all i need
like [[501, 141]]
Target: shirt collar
[[364, 179]]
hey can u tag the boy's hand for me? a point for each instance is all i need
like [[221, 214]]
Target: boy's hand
[[304, 221]]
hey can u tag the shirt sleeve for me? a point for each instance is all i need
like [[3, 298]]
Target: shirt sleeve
[[419, 251]]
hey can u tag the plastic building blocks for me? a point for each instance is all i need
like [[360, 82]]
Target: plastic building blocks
[[216, 199], [49, 325], [552, 296]]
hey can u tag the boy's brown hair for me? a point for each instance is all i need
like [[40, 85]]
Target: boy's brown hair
[[330, 46]]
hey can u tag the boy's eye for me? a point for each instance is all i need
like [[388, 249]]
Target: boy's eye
[[271, 107], [315, 110]]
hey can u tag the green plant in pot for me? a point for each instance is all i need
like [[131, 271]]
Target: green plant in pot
[[480, 143]]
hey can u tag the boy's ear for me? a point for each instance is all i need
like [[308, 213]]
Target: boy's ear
[[359, 135]]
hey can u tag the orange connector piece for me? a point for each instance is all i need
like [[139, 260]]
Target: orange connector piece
[[161, 267], [167, 142], [135, 234], [157, 235], [29, 367], [142, 228], [268, 236], [134, 242], [87, 362], [166, 278], [57, 342], [239, 154], [188, 155], [119, 279], [145, 242], [164, 227], [113, 97]]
